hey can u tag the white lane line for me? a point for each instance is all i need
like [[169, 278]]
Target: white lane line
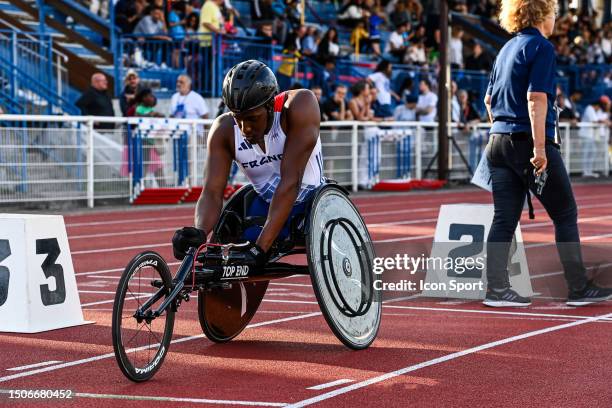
[[124, 248], [103, 302], [391, 223], [112, 234], [541, 224], [292, 284], [497, 312], [114, 270], [402, 239], [177, 399], [128, 221], [25, 367], [439, 360], [104, 277], [112, 355], [587, 238], [108, 292], [545, 275], [304, 302], [330, 384], [172, 399], [419, 210], [586, 219]]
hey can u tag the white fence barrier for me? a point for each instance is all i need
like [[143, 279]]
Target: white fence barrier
[[60, 158]]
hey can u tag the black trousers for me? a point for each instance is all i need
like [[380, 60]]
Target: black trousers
[[512, 174]]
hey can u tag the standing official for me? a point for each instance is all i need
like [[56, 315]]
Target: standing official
[[519, 101]]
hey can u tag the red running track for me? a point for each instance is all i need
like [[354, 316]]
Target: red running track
[[429, 352]]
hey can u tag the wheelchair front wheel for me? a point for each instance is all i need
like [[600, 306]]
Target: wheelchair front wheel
[[141, 342]]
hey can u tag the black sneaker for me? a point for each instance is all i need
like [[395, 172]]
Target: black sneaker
[[590, 294], [506, 298]]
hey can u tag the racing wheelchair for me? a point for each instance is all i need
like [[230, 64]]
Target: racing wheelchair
[[339, 254]]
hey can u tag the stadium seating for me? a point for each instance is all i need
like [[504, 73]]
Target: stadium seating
[[90, 43]]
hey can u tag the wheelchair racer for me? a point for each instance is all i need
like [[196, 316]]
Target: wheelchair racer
[[274, 139]]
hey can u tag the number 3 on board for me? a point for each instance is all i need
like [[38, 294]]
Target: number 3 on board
[[47, 246]]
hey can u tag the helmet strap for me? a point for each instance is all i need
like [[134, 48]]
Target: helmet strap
[[270, 119]]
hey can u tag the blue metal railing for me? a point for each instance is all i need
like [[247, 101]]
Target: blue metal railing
[[165, 60], [204, 57], [31, 74]]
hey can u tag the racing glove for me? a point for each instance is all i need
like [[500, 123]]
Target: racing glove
[[255, 256], [186, 238]]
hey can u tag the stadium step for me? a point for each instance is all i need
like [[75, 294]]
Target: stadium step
[[176, 195]]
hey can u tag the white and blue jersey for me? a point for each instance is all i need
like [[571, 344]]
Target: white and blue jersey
[[263, 169]]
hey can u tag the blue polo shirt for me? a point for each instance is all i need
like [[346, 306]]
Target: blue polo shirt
[[526, 63]]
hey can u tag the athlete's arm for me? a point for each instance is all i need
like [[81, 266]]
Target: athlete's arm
[[303, 122], [218, 165]]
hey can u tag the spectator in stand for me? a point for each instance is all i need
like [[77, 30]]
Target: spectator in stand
[[456, 48], [415, 11], [265, 32], [295, 39], [377, 19], [427, 104], [455, 105], [606, 44], [263, 12], [379, 111], [406, 88], [153, 25], [352, 13], [191, 23], [310, 41], [359, 37], [396, 45], [595, 113], [468, 119], [96, 102], [152, 148], [407, 111], [461, 6], [485, 8], [419, 34], [177, 19], [360, 104], [326, 78], [328, 47], [417, 54], [211, 22], [127, 99], [574, 101], [150, 4], [381, 78], [293, 13], [478, 61], [399, 15], [186, 103], [335, 108], [128, 13], [566, 114], [145, 104], [318, 93]]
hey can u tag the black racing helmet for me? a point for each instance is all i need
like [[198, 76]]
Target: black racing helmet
[[248, 85]]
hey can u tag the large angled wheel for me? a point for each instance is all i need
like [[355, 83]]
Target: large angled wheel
[[340, 257], [225, 311]]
